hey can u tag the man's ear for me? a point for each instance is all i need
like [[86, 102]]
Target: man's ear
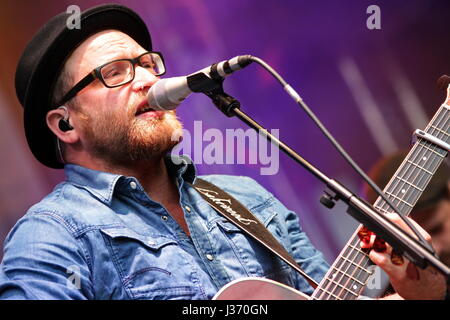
[[58, 121]]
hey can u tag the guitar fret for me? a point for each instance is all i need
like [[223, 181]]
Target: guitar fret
[[343, 281], [400, 199], [406, 187], [358, 249], [440, 130], [426, 147], [420, 167], [350, 272], [347, 275], [335, 270], [340, 285], [440, 113], [411, 184], [357, 265], [329, 293]]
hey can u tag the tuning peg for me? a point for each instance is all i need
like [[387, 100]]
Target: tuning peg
[[443, 82]]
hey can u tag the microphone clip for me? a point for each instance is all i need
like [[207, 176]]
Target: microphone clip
[[223, 101]]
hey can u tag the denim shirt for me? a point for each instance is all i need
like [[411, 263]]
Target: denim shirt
[[100, 236]]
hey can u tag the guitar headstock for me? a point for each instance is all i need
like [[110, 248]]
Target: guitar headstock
[[444, 83]]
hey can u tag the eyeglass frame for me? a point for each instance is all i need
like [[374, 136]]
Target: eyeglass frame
[[96, 74]]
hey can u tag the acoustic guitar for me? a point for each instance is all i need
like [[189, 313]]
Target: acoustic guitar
[[349, 273]]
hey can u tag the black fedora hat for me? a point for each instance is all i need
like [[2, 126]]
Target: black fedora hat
[[44, 57]]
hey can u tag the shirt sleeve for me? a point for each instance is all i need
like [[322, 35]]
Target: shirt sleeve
[[44, 260], [310, 260], [304, 252]]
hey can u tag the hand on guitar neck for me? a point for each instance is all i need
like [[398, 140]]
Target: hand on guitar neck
[[409, 281]]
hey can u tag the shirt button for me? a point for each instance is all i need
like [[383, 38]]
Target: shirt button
[[133, 185], [209, 257], [188, 209], [164, 218]]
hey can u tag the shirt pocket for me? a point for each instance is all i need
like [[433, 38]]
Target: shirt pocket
[[148, 265], [253, 257]]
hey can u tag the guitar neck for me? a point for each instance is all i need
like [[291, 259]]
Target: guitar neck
[[350, 272]]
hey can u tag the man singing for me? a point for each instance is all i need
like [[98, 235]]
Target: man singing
[[126, 223]]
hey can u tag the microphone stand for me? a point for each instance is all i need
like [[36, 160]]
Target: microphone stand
[[359, 209]]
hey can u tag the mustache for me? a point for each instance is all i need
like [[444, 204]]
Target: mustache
[[134, 102]]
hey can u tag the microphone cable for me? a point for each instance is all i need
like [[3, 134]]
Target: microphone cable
[[294, 95]]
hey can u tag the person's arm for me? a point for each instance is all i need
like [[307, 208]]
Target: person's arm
[[302, 250], [43, 260]]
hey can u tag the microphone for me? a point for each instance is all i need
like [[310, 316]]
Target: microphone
[[167, 94]]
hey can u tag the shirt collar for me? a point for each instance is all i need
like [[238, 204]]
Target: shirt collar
[[102, 184]]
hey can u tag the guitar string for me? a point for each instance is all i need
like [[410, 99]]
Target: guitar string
[[406, 190], [346, 262], [351, 249], [394, 189], [343, 274], [342, 263], [397, 181], [339, 264], [406, 168], [433, 127], [429, 165], [347, 259], [330, 285], [433, 163], [357, 268], [417, 155]]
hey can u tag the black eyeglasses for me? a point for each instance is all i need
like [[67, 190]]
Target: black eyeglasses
[[118, 72]]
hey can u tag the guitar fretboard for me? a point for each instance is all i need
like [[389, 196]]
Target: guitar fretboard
[[350, 272]]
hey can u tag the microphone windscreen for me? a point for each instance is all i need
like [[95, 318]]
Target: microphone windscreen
[[168, 93]]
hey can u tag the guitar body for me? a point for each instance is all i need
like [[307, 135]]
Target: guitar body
[[258, 289]]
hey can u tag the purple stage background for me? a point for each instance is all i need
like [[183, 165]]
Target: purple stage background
[[371, 88]]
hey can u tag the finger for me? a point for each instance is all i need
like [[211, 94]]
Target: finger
[[383, 247], [396, 258], [379, 245], [398, 221], [412, 272], [368, 244], [384, 261], [372, 241], [422, 231]]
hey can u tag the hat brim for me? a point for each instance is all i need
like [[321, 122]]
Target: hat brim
[[41, 140]]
